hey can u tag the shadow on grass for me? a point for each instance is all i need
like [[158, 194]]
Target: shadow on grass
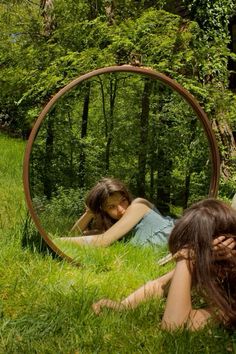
[[32, 239]]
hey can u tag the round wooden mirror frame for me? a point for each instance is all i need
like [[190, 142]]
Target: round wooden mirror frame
[[124, 68]]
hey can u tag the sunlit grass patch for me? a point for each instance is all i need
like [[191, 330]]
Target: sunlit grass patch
[[11, 187]]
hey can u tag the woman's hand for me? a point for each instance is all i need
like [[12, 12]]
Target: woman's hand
[[224, 247], [222, 242], [184, 253], [152, 289], [98, 306]]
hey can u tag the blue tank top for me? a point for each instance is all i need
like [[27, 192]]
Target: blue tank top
[[152, 229]]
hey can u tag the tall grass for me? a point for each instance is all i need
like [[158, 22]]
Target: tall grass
[[11, 194], [45, 303]]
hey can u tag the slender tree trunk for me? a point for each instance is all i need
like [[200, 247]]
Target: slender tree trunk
[[193, 127], [113, 92], [104, 112], [164, 164], [46, 7], [84, 126], [152, 172], [110, 11], [94, 8], [187, 190], [144, 121], [108, 118], [164, 178], [72, 175], [47, 174]]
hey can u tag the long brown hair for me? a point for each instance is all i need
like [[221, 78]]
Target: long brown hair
[[98, 195], [215, 278]]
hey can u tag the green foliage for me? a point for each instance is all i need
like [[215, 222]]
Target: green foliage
[[58, 215], [36, 67], [85, 36], [212, 16]]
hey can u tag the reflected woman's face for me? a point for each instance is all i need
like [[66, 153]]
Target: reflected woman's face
[[116, 205]]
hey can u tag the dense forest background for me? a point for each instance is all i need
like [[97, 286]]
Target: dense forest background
[[44, 44]]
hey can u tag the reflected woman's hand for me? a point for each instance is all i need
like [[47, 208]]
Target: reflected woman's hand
[[88, 211]]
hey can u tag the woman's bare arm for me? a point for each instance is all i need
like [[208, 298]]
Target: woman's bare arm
[[82, 223], [178, 310], [152, 289], [143, 201], [132, 216]]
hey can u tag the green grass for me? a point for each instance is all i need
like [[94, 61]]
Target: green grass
[[12, 201], [45, 303]]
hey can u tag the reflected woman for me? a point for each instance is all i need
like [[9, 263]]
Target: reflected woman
[[116, 215]]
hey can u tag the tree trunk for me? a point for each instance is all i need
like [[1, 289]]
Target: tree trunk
[[48, 174], [84, 134], [108, 118], [186, 189], [225, 139], [110, 12], [193, 127], [144, 121], [112, 97], [163, 181], [46, 7]]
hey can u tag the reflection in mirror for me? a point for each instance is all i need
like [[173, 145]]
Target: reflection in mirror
[[124, 125]]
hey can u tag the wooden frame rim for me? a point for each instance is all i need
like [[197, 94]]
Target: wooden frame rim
[[215, 158]]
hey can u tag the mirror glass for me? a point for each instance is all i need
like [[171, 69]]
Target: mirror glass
[[121, 125]]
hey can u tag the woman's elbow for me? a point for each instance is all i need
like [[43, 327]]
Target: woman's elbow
[[195, 320], [101, 241], [172, 325]]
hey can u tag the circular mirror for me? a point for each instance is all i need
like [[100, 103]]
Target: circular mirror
[[131, 123]]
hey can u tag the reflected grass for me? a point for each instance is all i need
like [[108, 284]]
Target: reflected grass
[[120, 250]]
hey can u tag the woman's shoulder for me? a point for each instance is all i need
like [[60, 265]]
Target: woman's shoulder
[[143, 201]]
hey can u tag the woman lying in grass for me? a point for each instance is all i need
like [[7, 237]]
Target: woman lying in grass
[[116, 216], [203, 243]]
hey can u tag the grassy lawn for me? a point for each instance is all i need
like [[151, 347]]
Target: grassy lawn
[[45, 303]]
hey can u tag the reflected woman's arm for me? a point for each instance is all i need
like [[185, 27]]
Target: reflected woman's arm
[[132, 216], [83, 222]]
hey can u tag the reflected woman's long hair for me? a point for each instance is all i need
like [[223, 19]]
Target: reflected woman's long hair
[[97, 198], [214, 274]]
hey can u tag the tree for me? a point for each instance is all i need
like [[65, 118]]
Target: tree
[[214, 18], [144, 127], [46, 7]]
